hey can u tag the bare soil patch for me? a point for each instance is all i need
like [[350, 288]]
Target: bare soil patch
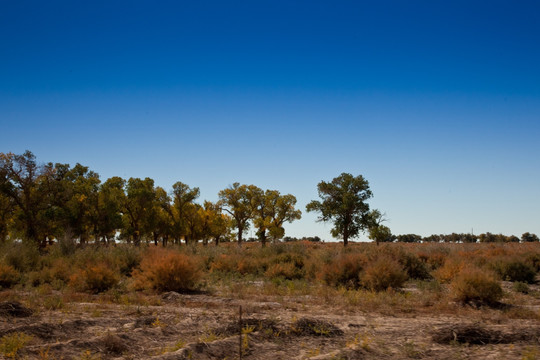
[[206, 326]]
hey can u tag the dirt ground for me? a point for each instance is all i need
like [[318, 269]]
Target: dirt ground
[[206, 326]]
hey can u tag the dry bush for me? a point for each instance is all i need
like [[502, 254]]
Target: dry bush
[[451, 268], [57, 273], [343, 270], [239, 263], [514, 270], [167, 270], [284, 270], [383, 273], [414, 266], [94, 278], [287, 265], [476, 286], [8, 276]]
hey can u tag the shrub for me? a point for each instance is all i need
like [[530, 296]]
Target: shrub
[[127, 258], [521, 287], [8, 276], [414, 266], [449, 270], [164, 270], [476, 286], [515, 270], [95, 278], [12, 344], [383, 273], [23, 257], [285, 270], [534, 261], [343, 270]]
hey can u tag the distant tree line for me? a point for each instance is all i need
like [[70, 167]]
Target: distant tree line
[[463, 238], [42, 203]]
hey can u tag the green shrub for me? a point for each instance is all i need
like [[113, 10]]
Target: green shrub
[[521, 287], [383, 273], [515, 270], [476, 286], [24, 257], [127, 258], [12, 344], [414, 266]]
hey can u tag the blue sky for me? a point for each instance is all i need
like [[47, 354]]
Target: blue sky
[[436, 103]]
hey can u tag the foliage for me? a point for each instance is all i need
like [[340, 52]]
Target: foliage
[[515, 270], [8, 276], [383, 273], [12, 344], [476, 286], [344, 270], [240, 202], [94, 278], [167, 270], [344, 203]]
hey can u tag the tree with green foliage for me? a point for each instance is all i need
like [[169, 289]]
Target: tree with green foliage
[[108, 209], [80, 192], [239, 201], [528, 237], [6, 215], [344, 203], [138, 203], [376, 230], [183, 197], [281, 210], [26, 184]]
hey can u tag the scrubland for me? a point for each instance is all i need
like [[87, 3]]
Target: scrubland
[[299, 300]]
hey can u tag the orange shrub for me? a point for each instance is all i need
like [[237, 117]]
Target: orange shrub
[[476, 286], [344, 270], [450, 269], [95, 278], [383, 273], [167, 270]]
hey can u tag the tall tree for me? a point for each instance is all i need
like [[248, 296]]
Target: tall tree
[[80, 193], [138, 203], [376, 230], [183, 197], [24, 182], [108, 210], [6, 214], [344, 203], [238, 201], [272, 211], [215, 224]]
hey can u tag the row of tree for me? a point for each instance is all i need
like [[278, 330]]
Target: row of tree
[[464, 238], [43, 203]]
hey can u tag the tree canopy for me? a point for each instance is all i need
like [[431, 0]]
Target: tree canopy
[[344, 203]]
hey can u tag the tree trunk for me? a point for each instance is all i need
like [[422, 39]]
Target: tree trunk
[[240, 232]]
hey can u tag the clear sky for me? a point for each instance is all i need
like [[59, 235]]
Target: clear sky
[[435, 103]]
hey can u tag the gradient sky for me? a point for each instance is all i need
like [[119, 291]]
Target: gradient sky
[[435, 103]]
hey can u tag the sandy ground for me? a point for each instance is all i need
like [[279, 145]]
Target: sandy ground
[[205, 326]]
